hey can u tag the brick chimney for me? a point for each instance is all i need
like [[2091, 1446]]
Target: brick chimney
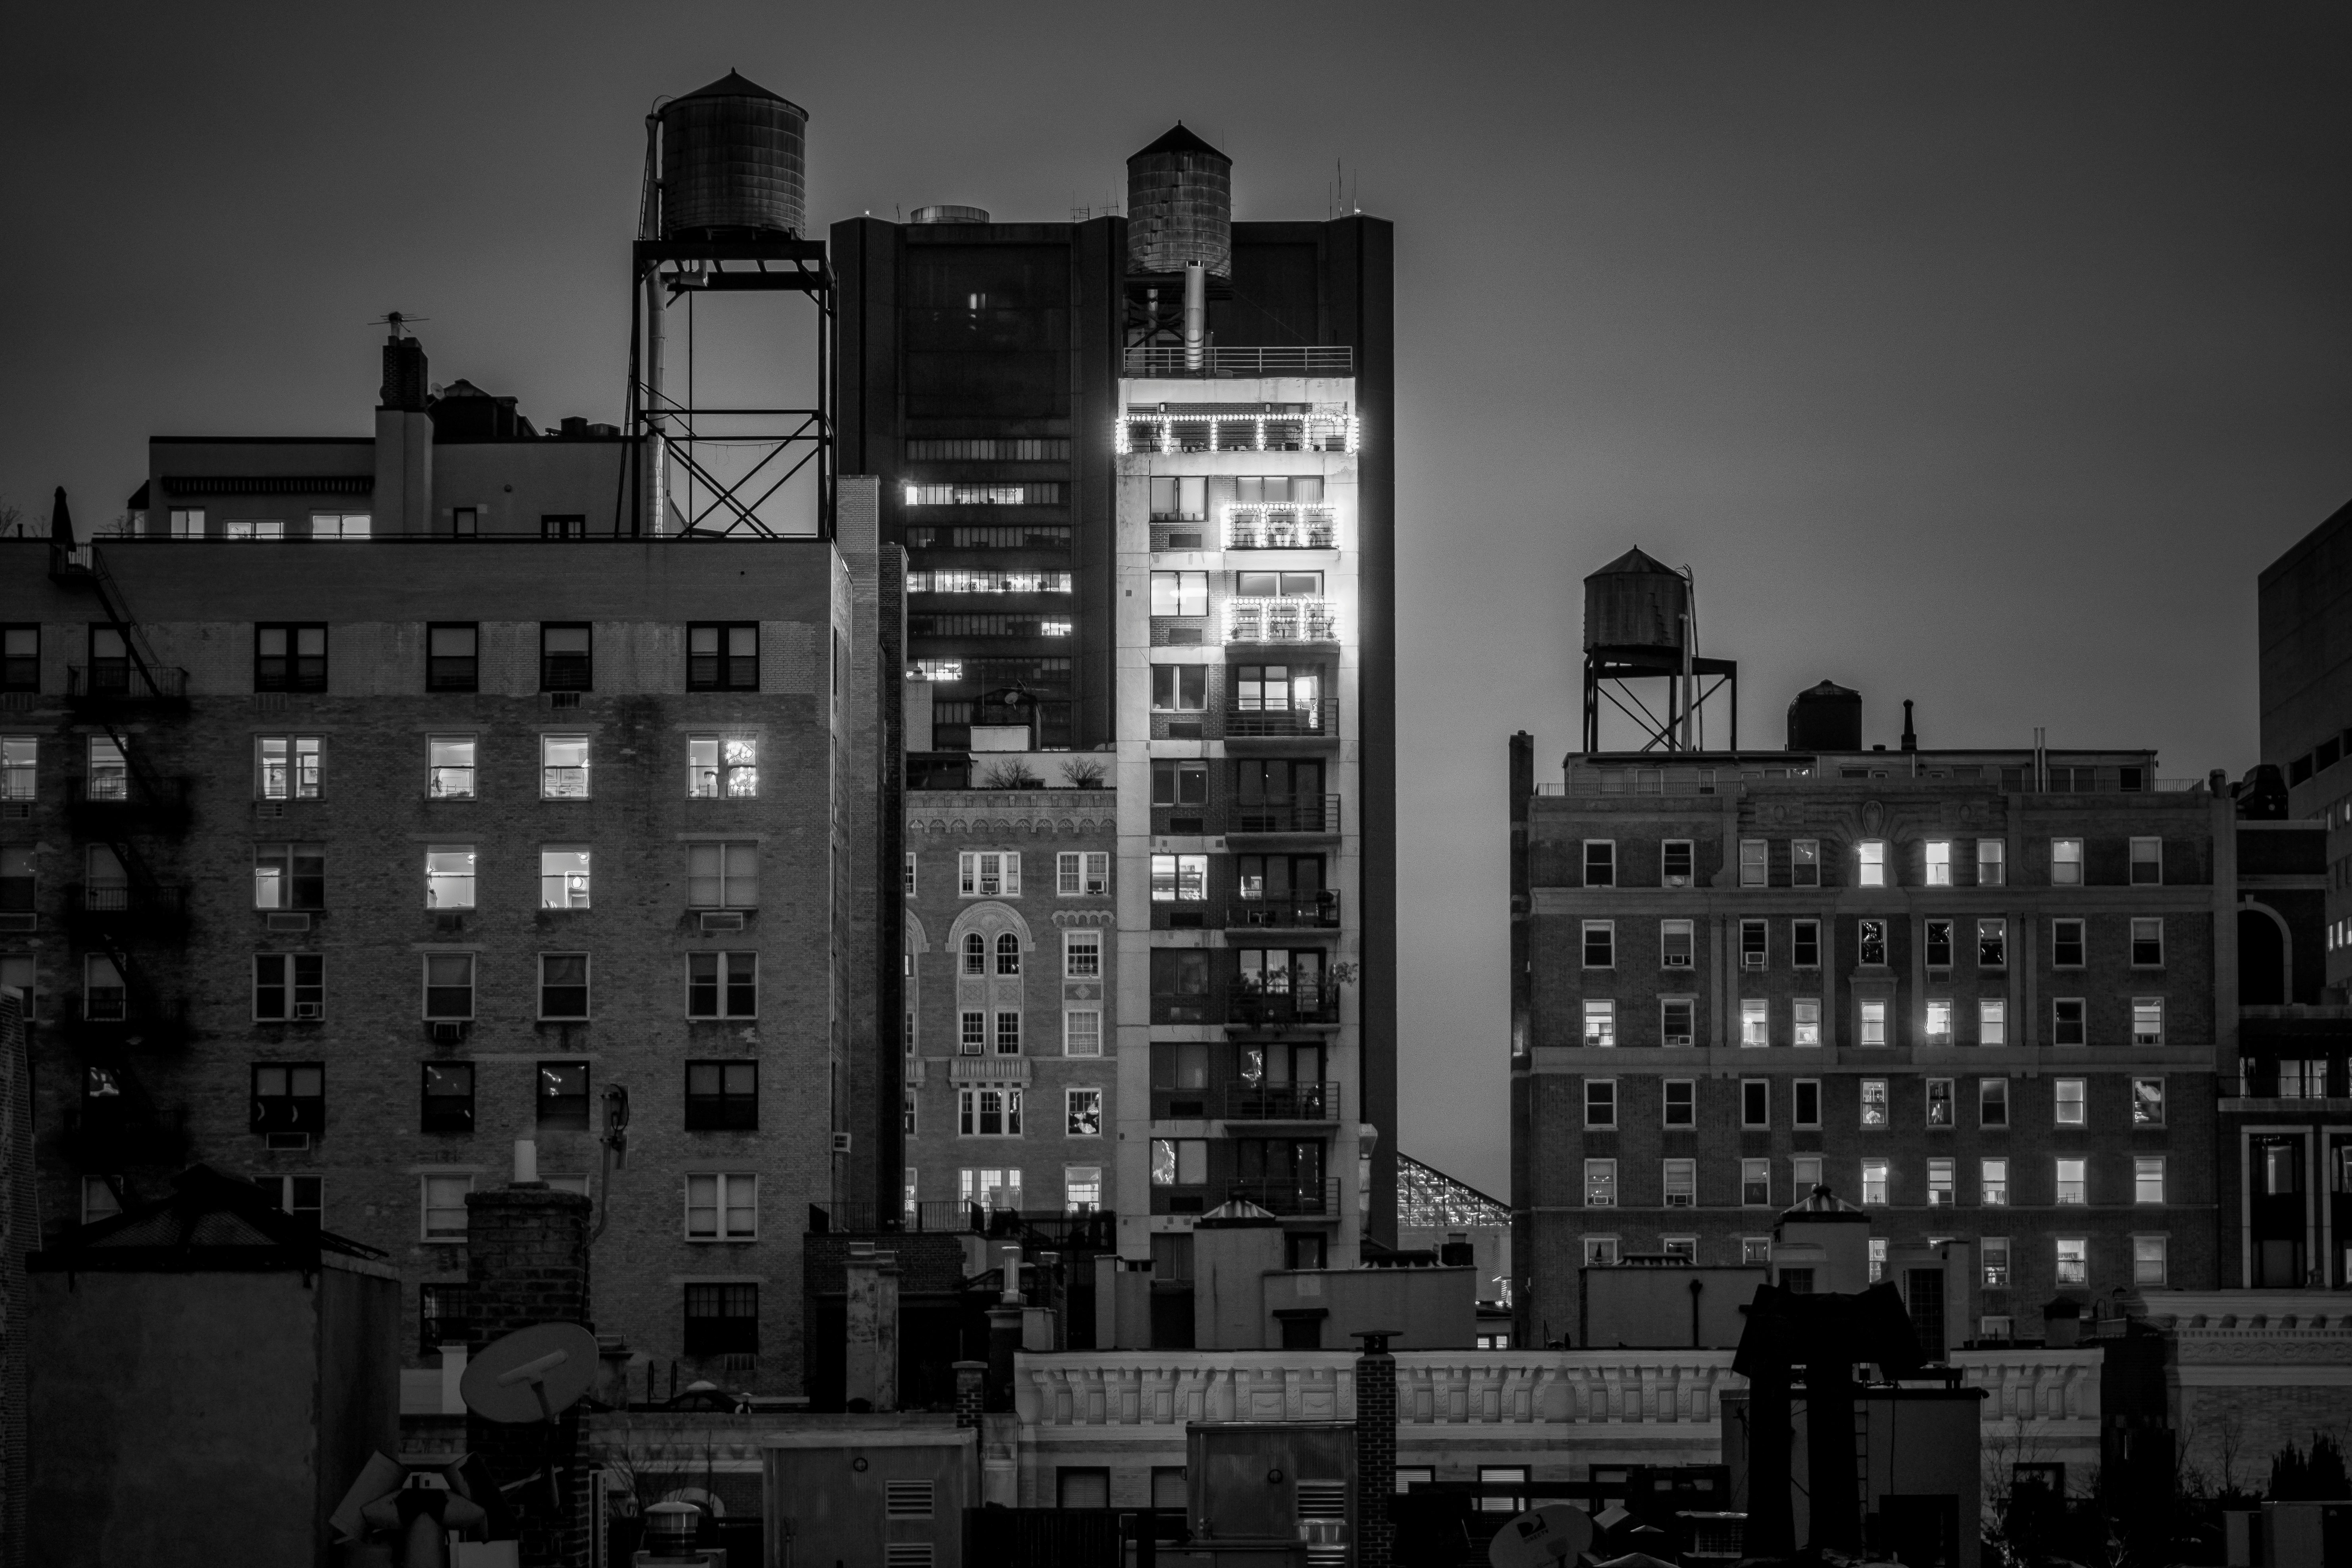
[[1375, 1449], [526, 1263], [402, 498]]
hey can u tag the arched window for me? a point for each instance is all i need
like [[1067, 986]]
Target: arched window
[[1008, 953], [975, 953]]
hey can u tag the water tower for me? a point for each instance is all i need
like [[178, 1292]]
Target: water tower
[[723, 214], [1641, 657], [1180, 245]]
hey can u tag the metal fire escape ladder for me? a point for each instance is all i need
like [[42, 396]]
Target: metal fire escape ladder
[[118, 611]]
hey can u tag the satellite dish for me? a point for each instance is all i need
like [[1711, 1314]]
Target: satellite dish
[[531, 1374], [1556, 1532]]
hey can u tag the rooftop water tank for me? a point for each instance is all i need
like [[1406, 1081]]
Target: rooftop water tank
[[732, 162], [1826, 718], [947, 211], [1637, 601], [1179, 207]]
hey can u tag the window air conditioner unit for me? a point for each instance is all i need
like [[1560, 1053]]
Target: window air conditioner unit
[[722, 919], [1677, 881], [841, 1143], [450, 1034], [1678, 1200], [286, 1143], [18, 922], [1677, 961], [307, 1010], [289, 923], [1751, 961], [1678, 1039], [270, 809]]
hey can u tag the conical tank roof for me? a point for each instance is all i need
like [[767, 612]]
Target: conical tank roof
[[1178, 139], [1636, 562], [734, 84]]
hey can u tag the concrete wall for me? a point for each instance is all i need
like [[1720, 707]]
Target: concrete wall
[[1642, 1307], [186, 1417], [1428, 1309], [827, 1490]]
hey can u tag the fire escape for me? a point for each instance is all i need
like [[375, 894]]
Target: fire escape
[[125, 924]]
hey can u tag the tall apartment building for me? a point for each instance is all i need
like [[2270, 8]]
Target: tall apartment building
[[366, 813], [2305, 621], [987, 374], [1982, 994]]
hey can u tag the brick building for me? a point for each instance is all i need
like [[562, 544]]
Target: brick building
[[366, 812], [1012, 965], [1978, 993]]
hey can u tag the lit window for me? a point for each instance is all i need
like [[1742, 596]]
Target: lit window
[[1674, 945], [1082, 1032], [990, 874], [1805, 862], [2065, 862], [19, 766], [1756, 1182], [1680, 1102], [2147, 1020], [2072, 1182], [2147, 861], [1082, 874], [1805, 1020], [187, 522], [340, 524], [1871, 866], [1992, 1022], [1752, 862], [1008, 1032], [564, 767], [1994, 1251], [2148, 1178], [287, 766], [722, 767], [1940, 1021], [1179, 878], [2147, 1102], [563, 879], [2147, 942], [1877, 1258], [1082, 1112], [1940, 862], [1081, 955], [1874, 1023], [1681, 1184], [1755, 1251], [1940, 1183], [2067, 1024], [289, 877], [1992, 1102], [1599, 1183], [1940, 1102], [1992, 944], [2070, 1100], [1873, 1102], [1754, 1022], [1992, 863], [722, 1207], [1805, 1171], [442, 1201], [2148, 1260], [449, 877], [723, 985], [989, 1113], [1082, 1189], [1870, 939], [1599, 1023], [1992, 1182], [1600, 945], [1873, 1183], [972, 1038], [449, 767], [2074, 1260], [1599, 1251], [723, 876], [1179, 592]]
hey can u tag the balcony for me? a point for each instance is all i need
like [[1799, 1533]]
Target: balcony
[[1313, 720], [1291, 619], [1289, 1196], [1167, 362], [1306, 1004], [1270, 527], [1310, 814], [1262, 1101], [142, 1027], [1320, 912], [112, 802], [97, 913], [118, 686]]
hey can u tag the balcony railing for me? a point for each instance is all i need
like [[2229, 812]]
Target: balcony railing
[[1283, 914], [125, 907], [1315, 814], [1271, 527], [1289, 1196], [1284, 620], [1262, 1101], [1161, 362], [1313, 718], [1273, 1009], [120, 681], [109, 798]]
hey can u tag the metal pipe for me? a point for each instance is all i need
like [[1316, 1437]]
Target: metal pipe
[[656, 415], [1196, 315]]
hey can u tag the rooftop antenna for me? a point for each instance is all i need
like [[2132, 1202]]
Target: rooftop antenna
[[396, 319]]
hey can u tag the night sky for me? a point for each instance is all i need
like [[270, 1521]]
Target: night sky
[[1976, 354]]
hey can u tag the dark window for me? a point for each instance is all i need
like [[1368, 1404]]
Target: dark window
[[289, 985], [20, 658], [441, 1311], [289, 1097], [722, 1097], [723, 656], [563, 1096], [452, 657], [290, 876], [1180, 687], [290, 657], [1175, 782], [1755, 1103], [448, 1097], [723, 985], [1808, 1104], [1599, 863], [1940, 944], [110, 660], [563, 986], [564, 664], [449, 986], [1300, 1332], [1805, 944], [722, 1320], [563, 525]]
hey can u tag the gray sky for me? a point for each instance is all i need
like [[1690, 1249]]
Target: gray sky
[[1972, 354]]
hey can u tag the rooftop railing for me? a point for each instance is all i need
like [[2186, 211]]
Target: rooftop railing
[[1158, 362]]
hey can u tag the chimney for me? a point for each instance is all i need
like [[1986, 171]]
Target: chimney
[[1910, 737], [403, 499], [403, 375], [1375, 1449], [970, 1377]]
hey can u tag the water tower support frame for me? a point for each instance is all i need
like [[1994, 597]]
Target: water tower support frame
[[668, 429], [1608, 677]]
